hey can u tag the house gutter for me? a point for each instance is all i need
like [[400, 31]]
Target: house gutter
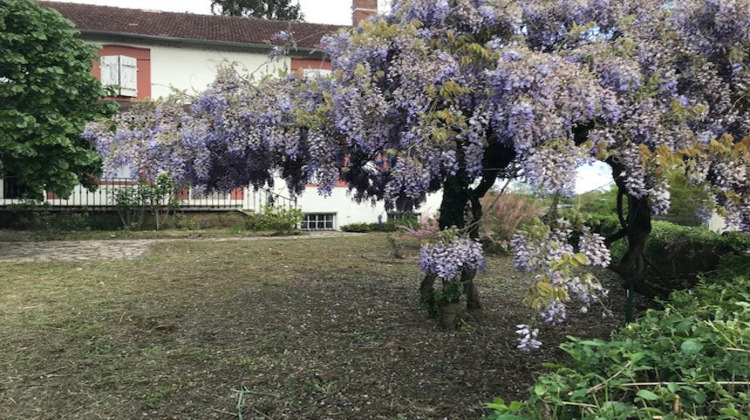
[[191, 41]]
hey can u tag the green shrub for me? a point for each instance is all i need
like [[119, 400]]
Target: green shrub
[[599, 202], [389, 226], [686, 201], [356, 227], [155, 198], [679, 253], [55, 221], [687, 361], [38, 216], [676, 254], [277, 219], [183, 221]]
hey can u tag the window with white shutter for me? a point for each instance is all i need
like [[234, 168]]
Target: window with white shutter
[[110, 70], [120, 71], [128, 76]]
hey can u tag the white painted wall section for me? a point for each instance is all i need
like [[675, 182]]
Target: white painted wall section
[[194, 68], [348, 211]]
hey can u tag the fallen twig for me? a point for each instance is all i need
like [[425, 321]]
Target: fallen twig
[[596, 388], [724, 383]]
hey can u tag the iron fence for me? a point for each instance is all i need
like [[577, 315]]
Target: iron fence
[[105, 197]]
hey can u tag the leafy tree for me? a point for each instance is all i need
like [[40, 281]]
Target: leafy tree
[[686, 201], [46, 98], [451, 95], [599, 202], [264, 9]]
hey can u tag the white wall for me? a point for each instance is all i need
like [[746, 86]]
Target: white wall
[[194, 68], [349, 211]]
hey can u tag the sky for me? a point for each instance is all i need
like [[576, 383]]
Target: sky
[[336, 12]]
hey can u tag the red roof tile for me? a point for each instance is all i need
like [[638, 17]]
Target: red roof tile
[[188, 26]]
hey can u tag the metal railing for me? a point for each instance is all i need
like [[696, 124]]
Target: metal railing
[[105, 197]]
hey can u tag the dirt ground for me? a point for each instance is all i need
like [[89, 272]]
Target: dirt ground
[[325, 328]]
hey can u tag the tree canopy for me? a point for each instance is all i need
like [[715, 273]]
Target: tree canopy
[[264, 9], [46, 98], [453, 94]]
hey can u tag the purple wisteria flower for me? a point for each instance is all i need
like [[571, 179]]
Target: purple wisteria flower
[[282, 36], [448, 259], [276, 52], [527, 340], [592, 245], [554, 265]]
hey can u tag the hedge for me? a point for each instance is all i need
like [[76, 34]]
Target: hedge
[[676, 254]]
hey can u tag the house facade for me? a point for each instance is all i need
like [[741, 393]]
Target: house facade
[[149, 54]]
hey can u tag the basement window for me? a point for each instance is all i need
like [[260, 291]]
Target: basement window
[[403, 216], [318, 221]]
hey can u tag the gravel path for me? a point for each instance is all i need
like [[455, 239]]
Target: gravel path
[[119, 249]]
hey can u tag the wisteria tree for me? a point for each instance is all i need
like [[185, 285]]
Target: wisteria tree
[[679, 73], [453, 94], [457, 93]]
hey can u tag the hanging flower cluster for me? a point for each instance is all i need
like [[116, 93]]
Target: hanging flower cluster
[[554, 267], [527, 340], [451, 255]]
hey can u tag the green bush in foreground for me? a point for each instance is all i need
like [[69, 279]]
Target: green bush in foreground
[[690, 360]]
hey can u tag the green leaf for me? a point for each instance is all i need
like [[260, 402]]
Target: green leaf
[[581, 259], [699, 397], [647, 395], [515, 406], [579, 393], [554, 366], [673, 387], [691, 347], [593, 343], [729, 411]]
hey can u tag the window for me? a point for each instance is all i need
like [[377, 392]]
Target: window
[[314, 73], [323, 221], [121, 71], [209, 195], [12, 188], [403, 216]]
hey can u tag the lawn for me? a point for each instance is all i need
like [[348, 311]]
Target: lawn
[[270, 329]]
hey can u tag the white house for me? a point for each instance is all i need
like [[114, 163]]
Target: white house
[[150, 53]]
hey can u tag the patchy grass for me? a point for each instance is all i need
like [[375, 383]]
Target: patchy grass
[[303, 329]]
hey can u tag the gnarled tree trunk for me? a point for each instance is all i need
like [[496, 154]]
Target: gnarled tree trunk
[[635, 222], [459, 202]]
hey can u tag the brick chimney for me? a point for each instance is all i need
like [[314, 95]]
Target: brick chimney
[[363, 9]]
